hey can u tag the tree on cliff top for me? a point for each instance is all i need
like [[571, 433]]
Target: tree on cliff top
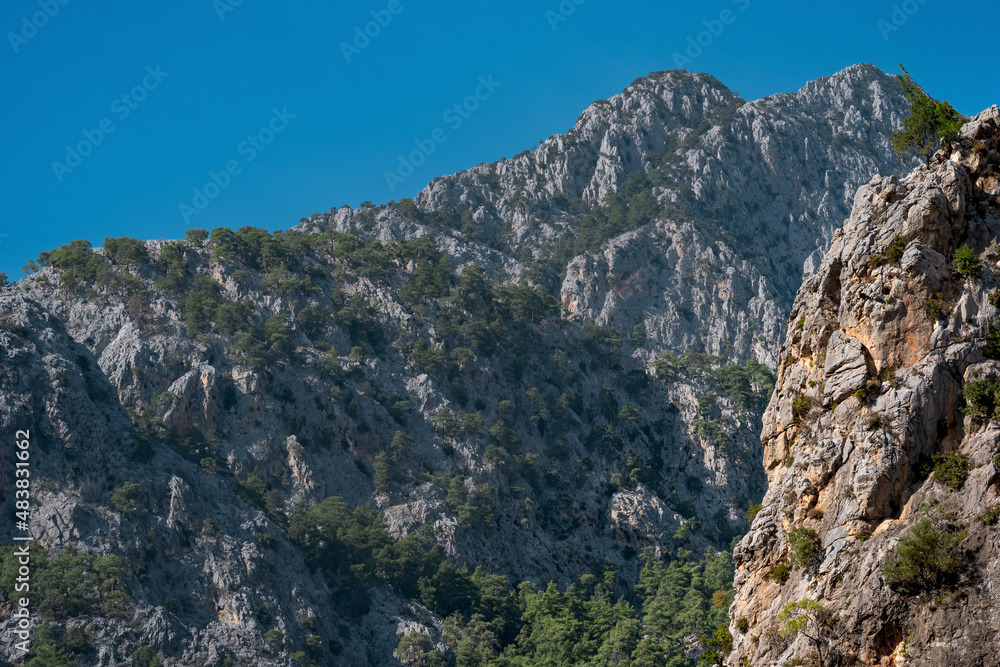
[[930, 122]]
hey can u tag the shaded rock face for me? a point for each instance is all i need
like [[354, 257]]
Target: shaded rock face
[[198, 543], [756, 188], [880, 345]]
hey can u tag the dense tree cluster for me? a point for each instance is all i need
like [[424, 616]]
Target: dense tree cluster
[[491, 624]]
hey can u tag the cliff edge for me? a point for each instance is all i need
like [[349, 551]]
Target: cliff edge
[[881, 439]]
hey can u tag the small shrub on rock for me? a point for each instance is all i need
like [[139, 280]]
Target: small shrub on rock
[[800, 408], [951, 468], [923, 560], [780, 573], [991, 516], [992, 338], [804, 545], [966, 262], [982, 399], [937, 309], [123, 497]]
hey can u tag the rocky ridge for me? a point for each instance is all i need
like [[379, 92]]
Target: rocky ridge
[[749, 194], [884, 377], [140, 380]]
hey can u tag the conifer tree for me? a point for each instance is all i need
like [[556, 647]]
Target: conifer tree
[[930, 122]]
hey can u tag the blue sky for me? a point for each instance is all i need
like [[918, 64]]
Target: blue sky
[[193, 87]]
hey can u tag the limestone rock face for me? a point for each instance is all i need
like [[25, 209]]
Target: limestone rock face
[[751, 193], [880, 344]]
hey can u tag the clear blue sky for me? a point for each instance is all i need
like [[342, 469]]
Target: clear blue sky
[[225, 76]]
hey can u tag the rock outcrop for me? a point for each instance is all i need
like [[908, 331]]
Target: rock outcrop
[[884, 425]]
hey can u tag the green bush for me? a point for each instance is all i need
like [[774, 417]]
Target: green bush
[[123, 498], [937, 309], [78, 264], [232, 317], [892, 254], [895, 250], [173, 261], [753, 510], [780, 573], [278, 336], [803, 547], [267, 540], [329, 363], [982, 399], [923, 560], [146, 657], [196, 237], [126, 251], [718, 645], [992, 339], [951, 468], [301, 658], [275, 638], [198, 309], [966, 262], [991, 516], [995, 298], [313, 320], [801, 405], [415, 650], [382, 474]]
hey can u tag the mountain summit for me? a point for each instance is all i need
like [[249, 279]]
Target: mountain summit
[[295, 448]]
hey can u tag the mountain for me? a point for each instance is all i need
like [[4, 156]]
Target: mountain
[[881, 436], [269, 449]]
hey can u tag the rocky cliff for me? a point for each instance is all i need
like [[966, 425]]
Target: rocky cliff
[[540, 366], [881, 438]]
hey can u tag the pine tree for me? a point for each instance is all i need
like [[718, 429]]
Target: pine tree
[[930, 122]]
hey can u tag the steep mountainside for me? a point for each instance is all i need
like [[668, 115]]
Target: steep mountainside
[[748, 192], [881, 439], [544, 367]]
